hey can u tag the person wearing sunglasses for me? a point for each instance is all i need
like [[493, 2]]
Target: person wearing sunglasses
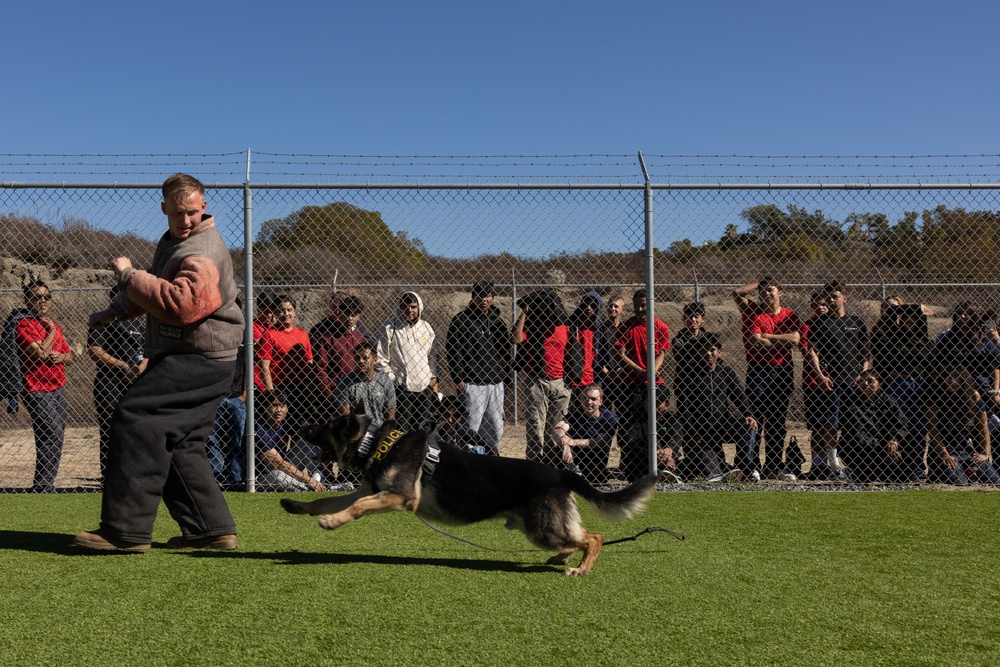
[[44, 355]]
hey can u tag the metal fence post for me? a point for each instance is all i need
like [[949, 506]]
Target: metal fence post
[[650, 320], [513, 323], [248, 313]]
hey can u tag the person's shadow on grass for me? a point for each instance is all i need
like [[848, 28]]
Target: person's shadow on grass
[[293, 557], [62, 544], [39, 542]]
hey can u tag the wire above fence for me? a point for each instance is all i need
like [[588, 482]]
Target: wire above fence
[[545, 168]]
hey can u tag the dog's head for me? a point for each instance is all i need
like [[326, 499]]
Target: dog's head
[[338, 439]]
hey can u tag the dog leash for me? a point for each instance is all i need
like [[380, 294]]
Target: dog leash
[[649, 529]]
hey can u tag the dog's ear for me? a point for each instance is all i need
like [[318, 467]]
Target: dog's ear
[[359, 407]]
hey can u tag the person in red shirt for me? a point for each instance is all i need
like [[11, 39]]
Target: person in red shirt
[[286, 360], [586, 343], [265, 322], [44, 355], [542, 335], [334, 341], [770, 333], [631, 342]]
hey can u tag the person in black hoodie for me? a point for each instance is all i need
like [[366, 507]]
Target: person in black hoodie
[[478, 350], [704, 395], [872, 430]]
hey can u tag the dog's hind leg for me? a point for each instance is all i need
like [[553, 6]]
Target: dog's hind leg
[[383, 501], [591, 546]]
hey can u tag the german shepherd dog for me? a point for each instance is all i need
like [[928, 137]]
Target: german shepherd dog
[[462, 488]]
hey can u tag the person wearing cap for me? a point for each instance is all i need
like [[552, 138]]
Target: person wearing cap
[[479, 351], [837, 352], [334, 340], [707, 393]]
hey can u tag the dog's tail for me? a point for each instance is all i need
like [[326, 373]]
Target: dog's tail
[[621, 504]]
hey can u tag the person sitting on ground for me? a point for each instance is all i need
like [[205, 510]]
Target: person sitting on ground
[[450, 428], [966, 345], [704, 396], [902, 355], [872, 430], [584, 435], [277, 472], [960, 438]]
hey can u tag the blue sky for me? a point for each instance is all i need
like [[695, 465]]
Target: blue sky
[[533, 78], [513, 78]]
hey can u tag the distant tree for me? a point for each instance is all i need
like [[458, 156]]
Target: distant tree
[[866, 226], [356, 234]]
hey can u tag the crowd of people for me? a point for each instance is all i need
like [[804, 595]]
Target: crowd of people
[[885, 404]]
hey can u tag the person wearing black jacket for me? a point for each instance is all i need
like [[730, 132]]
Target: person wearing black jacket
[[872, 428], [478, 350], [705, 392]]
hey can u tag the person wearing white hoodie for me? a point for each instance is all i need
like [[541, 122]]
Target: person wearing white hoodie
[[407, 351]]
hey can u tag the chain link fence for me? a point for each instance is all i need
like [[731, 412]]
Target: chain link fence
[[503, 317]]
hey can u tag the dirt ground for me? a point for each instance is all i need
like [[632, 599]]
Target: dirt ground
[[80, 469]]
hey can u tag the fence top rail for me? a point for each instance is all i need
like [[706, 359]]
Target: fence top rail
[[15, 185]]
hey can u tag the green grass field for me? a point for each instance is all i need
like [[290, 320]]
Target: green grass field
[[764, 578]]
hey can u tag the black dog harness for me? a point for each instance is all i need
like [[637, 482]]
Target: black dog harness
[[378, 453]]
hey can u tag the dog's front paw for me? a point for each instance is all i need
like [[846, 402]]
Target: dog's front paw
[[294, 506], [329, 521], [576, 572]]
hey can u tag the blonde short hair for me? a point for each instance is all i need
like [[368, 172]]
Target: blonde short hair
[[180, 186]]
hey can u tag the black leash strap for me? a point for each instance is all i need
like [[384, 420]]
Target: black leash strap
[[649, 529]]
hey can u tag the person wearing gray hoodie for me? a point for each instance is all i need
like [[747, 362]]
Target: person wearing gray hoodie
[[407, 351]]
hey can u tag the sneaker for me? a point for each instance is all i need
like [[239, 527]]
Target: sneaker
[[734, 475], [820, 474], [99, 542], [670, 477], [786, 476], [195, 543], [754, 476], [340, 488]]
